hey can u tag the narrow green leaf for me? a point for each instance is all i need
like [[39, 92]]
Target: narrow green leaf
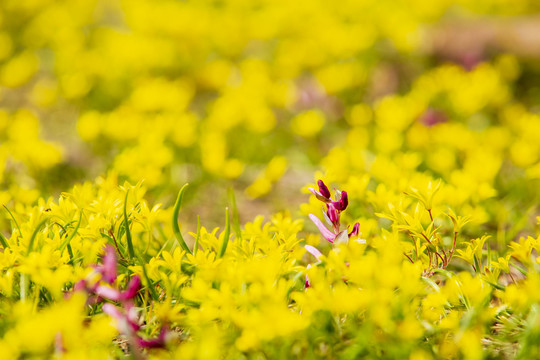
[[4, 241], [70, 252], [196, 246], [235, 215], [131, 252], [496, 286], [477, 264], [226, 235], [34, 234], [153, 292], [14, 220], [176, 227]]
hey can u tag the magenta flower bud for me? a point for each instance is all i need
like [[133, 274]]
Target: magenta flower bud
[[133, 287], [355, 231], [343, 201], [323, 189]]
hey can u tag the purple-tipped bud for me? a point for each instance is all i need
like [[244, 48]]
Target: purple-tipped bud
[[132, 288], [355, 231], [343, 201], [323, 189]]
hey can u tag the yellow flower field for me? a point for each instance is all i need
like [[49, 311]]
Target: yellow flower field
[[236, 179]]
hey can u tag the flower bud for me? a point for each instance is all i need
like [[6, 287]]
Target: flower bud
[[323, 189], [343, 201]]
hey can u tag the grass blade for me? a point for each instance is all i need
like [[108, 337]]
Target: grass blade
[[4, 241], [129, 240], [196, 246], [227, 234], [235, 215], [153, 292], [176, 227], [14, 220], [34, 234]]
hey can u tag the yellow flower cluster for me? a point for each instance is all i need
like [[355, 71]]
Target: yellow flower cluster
[[252, 299]]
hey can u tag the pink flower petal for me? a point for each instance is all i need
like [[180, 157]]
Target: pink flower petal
[[328, 235], [313, 251], [108, 293]]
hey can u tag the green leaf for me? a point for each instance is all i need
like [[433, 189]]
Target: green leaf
[[4, 241], [226, 236], [34, 234], [153, 292], [14, 220], [235, 215], [131, 251], [477, 264], [196, 246], [176, 227]]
